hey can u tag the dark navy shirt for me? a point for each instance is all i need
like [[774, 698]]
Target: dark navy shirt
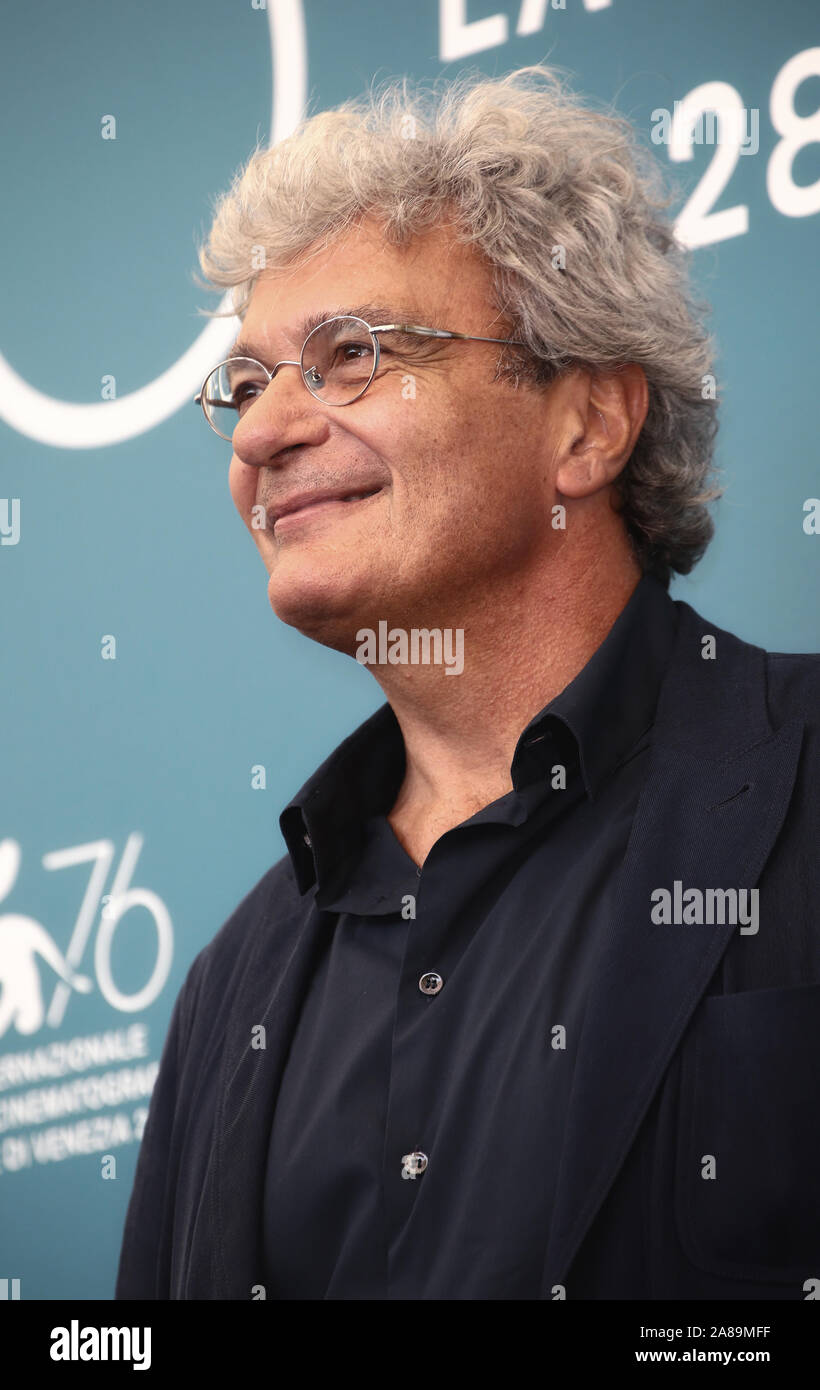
[[444, 1013]]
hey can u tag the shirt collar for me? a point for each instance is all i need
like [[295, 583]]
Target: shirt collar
[[611, 703], [605, 710], [323, 825]]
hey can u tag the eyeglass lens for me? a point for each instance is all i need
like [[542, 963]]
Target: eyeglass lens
[[338, 361]]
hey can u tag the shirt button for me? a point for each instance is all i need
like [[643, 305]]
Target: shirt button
[[307, 840], [430, 983], [413, 1164]]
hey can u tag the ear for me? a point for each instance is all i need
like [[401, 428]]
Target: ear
[[611, 415]]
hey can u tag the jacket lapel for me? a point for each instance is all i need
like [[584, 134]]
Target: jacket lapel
[[716, 794], [232, 1242]]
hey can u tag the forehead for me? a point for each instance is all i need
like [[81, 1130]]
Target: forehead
[[434, 280]]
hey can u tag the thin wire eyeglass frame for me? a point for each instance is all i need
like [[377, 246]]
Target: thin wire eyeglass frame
[[200, 399]]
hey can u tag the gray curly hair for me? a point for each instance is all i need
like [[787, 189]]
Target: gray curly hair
[[565, 206]]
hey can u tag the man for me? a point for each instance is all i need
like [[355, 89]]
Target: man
[[531, 1007]]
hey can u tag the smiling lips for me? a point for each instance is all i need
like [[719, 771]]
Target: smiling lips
[[306, 504]]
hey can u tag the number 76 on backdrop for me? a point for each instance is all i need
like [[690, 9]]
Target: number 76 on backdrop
[[25, 944]]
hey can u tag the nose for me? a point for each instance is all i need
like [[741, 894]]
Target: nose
[[283, 417]]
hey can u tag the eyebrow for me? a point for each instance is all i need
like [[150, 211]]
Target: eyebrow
[[371, 313]]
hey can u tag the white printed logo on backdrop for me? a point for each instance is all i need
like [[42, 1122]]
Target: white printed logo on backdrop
[[67, 425], [32, 965]]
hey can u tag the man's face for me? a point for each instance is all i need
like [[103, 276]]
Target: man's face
[[455, 465]]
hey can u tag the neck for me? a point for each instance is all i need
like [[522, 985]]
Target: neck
[[522, 646]]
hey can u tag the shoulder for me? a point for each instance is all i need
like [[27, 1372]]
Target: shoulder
[[793, 685], [790, 680]]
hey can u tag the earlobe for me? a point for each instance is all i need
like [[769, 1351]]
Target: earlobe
[[581, 474]]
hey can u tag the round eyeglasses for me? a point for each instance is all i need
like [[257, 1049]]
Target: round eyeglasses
[[338, 361]]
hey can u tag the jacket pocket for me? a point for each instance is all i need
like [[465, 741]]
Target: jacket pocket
[[750, 1113]]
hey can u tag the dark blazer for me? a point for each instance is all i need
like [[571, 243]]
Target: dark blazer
[[697, 1041]]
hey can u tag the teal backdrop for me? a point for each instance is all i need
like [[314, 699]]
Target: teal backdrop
[[129, 826]]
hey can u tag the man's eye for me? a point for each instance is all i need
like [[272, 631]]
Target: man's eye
[[244, 393], [352, 351]]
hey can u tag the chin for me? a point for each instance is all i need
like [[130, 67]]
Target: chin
[[324, 607]]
